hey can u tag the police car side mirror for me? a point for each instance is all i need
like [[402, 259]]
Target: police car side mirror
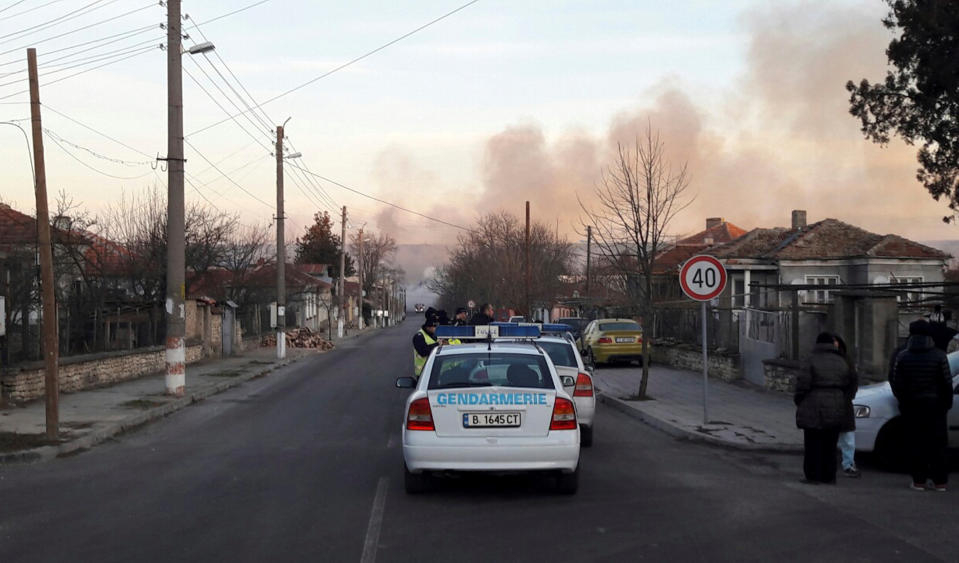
[[405, 382], [567, 380]]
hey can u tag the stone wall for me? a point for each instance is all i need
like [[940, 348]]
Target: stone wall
[[93, 370], [780, 375], [722, 366]]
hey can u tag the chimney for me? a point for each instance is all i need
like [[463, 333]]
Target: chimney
[[714, 222], [799, 219]]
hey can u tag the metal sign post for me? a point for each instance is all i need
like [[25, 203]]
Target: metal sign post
[[703, 278]]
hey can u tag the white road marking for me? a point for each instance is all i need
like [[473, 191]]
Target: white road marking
[[390, 442], [371, 544]]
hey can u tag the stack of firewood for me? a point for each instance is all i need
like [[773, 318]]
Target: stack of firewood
[[299, 338]]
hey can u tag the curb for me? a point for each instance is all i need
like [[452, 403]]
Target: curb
[[681, 433], [46, 453]]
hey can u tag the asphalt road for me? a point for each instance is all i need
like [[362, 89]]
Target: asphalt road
[[306, 465]]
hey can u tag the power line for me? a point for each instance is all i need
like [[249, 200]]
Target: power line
[[228, 14], [346, 64], [98, 171], [109, 39], [88, 60], [391, 204], [244, 190], [81, 72], [226, 111], [93, 153], [50, 63], [56, 21], [324, 197], [89, 128], [14, 5], [27, 11]]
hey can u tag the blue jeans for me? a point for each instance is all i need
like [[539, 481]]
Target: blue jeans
[[847, 445]]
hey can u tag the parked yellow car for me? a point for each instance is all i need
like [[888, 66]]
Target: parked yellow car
[[612, 340]]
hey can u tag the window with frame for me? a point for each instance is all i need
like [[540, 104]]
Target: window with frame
[[910, 296], [820, 295]]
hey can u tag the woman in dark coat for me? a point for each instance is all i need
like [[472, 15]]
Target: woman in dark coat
[[823, 398]]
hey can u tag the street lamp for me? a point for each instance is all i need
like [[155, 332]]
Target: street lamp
[[200, 48]]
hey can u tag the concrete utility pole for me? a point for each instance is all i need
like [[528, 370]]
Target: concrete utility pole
[[529, 312], [51, 343], [360, 270], [280, 250], [175, 316], [589, 249], [340, 293]]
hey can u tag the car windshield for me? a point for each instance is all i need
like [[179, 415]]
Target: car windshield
[[575, 322], [619, 325], [560, 352], [489, 369]]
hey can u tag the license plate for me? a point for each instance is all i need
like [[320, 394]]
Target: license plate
[[624, 339], [490, 419]]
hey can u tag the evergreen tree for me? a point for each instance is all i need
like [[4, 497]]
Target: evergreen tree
[[319, 245]]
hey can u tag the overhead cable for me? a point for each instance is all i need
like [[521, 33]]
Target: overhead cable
[[391, 204], [232, 181], [346, 64]]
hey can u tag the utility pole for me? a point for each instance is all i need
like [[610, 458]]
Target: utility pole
[[175, 316], [589, 252], [51, 343], [340, 288], [280, 250], [529, 312], [360, 270]]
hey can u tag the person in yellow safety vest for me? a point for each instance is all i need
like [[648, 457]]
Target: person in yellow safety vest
[[423, 343]]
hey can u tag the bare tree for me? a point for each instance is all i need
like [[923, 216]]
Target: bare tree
[[633, 206], [487, 264]]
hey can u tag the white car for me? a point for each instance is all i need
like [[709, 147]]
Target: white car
[[576, 380], [493, 406], [879, 428]]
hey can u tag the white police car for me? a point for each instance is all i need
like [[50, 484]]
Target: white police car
[[879, 428], [492, 403], [557, 341]]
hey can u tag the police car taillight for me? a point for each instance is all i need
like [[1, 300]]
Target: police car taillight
[[584, 386], [564, 415], [420, 417]]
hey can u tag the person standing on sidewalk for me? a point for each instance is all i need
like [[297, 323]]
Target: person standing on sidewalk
[[847, 437], [922, 383], [820, 398]]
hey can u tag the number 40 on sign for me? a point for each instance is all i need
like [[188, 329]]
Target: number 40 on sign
[[702, 278]]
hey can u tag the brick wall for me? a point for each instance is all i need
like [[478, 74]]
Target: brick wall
[[780, 375], [93, 370], [721, 366]]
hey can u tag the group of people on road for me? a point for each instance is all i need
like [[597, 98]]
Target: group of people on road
[[425, 338], [921, 381]]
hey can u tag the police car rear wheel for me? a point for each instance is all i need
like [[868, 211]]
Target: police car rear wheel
[[415, 483], [568, 483], [585, 436]]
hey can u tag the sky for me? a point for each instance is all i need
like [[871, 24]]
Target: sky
[[496, 104]]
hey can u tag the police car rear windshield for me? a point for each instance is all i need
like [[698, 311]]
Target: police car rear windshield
[[560, 352], [489, 369], [623, 325]]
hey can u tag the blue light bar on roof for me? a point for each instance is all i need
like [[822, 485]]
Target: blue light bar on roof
[[516, 331], [554, 328], [482, 332], [444, 331]]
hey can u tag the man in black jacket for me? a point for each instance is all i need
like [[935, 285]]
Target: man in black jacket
[[485, 316], [922, 382], [423, 343]]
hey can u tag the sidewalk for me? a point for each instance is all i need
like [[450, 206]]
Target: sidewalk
[[94, 415], [740, 415]]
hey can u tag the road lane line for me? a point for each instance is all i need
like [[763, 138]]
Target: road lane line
[[390, 442], [371, 544]]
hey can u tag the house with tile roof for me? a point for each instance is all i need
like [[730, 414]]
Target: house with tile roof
[[847, 280], [826, 253]]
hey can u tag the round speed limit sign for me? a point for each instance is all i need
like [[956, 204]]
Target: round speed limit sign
[[702, 277]]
